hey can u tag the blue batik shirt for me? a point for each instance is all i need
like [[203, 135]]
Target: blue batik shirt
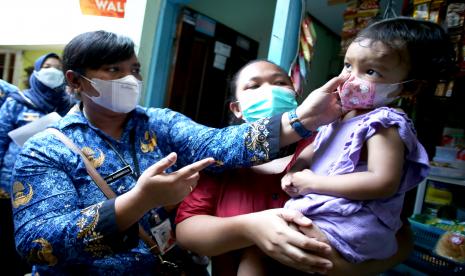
[[64, 223], [5, 89], [13, 114]]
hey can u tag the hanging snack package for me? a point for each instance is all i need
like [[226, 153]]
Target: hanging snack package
[[306, 29], [296, 78], [455, 17], [368, 8], [435, 10], [451, 245], [421, 9], [348, 27], [305, 49], [303, 67]]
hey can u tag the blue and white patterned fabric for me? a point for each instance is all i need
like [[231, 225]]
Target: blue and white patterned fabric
[[21, 108], [13, 114], [64, 223], [5, 89]]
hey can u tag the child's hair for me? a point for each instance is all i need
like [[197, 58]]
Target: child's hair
[[429, 49]]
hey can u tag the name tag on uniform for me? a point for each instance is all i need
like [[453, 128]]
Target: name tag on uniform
[[164, 236], [119, 174]]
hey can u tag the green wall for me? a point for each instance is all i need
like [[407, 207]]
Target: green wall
[[145, 49], [327, 61]]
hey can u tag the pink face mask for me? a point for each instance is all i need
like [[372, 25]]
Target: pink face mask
[[356, 93]]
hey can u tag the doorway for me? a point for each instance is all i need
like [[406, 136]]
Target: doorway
[[207, 54]]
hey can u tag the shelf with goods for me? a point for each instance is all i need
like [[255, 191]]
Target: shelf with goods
[[421, 191], [439, 211], [441, 106], [422, 188]]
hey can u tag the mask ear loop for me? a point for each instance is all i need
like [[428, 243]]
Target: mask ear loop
[[402, 82], [86, 78]]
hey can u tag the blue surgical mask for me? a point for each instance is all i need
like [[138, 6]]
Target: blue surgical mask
[[266, 101]]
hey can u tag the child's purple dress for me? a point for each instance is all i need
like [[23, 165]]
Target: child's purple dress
[[361, 230]]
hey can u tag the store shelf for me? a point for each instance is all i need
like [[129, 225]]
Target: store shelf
[[423, 257], [448, 180], [422, 189]]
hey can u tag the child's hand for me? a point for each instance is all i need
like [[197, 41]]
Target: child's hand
[[287, 186], [298, 183]]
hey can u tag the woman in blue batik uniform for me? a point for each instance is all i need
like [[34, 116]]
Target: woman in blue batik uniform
[[22, 107], [46, 95], [65, 224]]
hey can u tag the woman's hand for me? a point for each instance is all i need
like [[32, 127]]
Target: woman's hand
[[271, 232], [161, 188], [322, 106], [155, 188]]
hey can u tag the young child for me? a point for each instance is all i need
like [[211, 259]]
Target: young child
[[352, 180]]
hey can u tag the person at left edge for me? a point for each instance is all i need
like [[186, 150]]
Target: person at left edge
[[46, 94], [64, 223], [5, 89]]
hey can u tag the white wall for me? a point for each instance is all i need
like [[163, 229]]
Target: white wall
[[55, 22]]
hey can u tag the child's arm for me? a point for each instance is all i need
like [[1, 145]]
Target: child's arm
[[302, 162], [385, 152], [304, 159]]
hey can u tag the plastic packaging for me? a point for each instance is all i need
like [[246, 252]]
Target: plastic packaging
[[21, 134]]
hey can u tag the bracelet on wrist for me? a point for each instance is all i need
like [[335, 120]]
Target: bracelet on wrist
[[297, 125]]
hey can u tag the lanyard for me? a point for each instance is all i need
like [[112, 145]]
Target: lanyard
[[127, 169]]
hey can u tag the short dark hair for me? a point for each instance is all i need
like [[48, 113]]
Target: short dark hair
[[233, 82], [91, 50], [429, 48]]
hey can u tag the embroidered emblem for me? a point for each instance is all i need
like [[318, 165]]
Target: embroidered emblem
[[30, 117], [4, 194], [90, 154], [19, 197], [44, 254], [256, 141], [88, 221], [149, 143], [92, 239]]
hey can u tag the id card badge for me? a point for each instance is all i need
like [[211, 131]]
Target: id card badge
[[164, 236]]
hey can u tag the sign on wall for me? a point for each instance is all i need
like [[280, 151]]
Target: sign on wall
[[110, 8]]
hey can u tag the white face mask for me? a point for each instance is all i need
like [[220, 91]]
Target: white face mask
[[121, 95], [51, 77]]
